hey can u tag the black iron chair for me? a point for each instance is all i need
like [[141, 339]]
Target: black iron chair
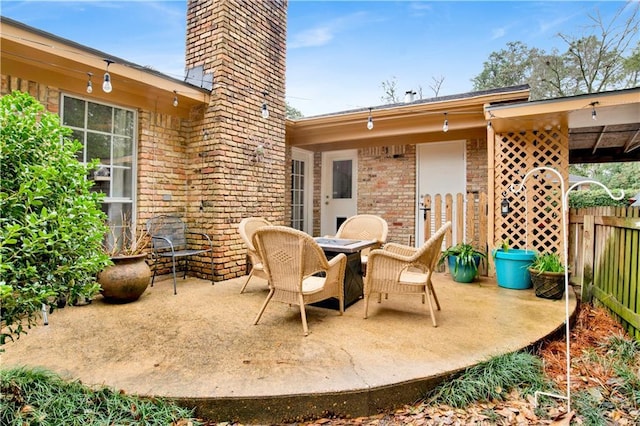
[[169, 240]]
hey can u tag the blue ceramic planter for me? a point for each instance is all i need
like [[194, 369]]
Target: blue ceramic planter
[[463, 273], [512, 268]]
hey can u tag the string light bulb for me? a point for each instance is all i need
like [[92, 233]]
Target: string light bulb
[[370, 121], [175, 98], [489, 125], [594, 114], [106, 85], [89, 85], [265, 109], [445, 126]]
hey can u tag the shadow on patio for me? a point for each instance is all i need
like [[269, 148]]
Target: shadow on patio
[[201, 348]]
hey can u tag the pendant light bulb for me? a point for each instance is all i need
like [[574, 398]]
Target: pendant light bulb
[[265, 108], [445, 126], [106, 85], [89, 85], [370, 121], [175, 98]]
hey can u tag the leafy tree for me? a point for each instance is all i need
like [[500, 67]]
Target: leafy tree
[[613, 175], [593, 62], [508, 67], [291, 112], [51, 224]]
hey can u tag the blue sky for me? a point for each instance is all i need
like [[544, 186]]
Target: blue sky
[[339, 52]]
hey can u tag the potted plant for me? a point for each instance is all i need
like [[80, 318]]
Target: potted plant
[[463, 260], [128, 277], [512, 266], [547, 275]]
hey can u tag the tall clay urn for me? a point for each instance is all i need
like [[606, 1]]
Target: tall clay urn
[[126, 279]]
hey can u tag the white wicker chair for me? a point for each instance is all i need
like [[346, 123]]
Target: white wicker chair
[[247, 228], [364, 227], [403, 269], [292, 260]]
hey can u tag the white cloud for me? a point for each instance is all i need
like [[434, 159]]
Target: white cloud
[[497, 33], [420, 8], [318, 36], [323, 33]]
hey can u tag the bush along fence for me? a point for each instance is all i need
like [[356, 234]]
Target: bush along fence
[[604, 257]]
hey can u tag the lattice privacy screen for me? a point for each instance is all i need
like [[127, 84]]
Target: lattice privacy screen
[[535, 221]]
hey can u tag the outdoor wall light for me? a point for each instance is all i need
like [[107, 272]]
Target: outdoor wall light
[[505, 208], [370, 121], [445, 126], [265, 109], [175, 98], [594, 115], [106, 85], [89, 85]]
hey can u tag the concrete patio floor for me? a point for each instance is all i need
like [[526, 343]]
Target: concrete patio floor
[[201, 348]]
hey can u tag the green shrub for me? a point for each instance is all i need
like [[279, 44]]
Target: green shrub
[[599, 198], [52, 226], [493, 380], [40, 397]]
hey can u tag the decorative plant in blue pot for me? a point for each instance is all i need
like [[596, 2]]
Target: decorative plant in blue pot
[[512, 267], [463, 260]]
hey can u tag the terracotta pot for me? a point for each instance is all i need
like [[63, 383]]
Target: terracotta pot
[[126, 280]]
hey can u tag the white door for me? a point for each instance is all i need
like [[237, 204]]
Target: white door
[[339, 184], [440, 170], [301, 190]]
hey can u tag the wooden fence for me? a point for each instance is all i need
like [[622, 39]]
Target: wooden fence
[[467, 214], [604, 255]]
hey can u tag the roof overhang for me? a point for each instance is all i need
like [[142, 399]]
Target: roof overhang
[[35, 55], [416, 122], [614, 135]]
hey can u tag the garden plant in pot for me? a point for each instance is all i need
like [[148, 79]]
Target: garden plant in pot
[[463, 260], [129, 276], [512, 266], [547, 276]]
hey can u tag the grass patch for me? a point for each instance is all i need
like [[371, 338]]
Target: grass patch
[[40, 397], [493, 380]]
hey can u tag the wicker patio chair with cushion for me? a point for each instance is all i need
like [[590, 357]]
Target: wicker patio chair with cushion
[[403, 269], [247, 228], [169, 239], [298, 270], [364, 227]]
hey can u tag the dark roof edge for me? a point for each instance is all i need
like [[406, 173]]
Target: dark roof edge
[[96, 52], [561, 99], [508, 89]]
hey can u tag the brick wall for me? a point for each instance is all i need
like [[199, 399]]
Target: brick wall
[[47, 96], [387, 187], [477, 165], [162, 161], [242, 44]]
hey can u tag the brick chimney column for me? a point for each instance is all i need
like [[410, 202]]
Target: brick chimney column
[[237, 49]]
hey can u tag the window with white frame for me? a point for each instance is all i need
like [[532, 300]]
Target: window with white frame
[[107, 133]]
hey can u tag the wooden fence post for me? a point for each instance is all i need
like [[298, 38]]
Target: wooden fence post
[[588, 242]]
